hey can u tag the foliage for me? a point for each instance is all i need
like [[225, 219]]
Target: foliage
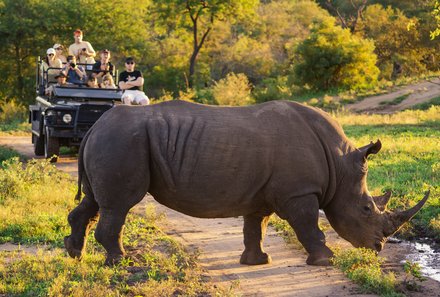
[[364, 268], [413, 275], [234, 90], [331, 57], [5, 154], [400, 45], [35, 200]]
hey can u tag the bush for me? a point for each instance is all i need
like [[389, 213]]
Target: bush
[[334, 58], [234, 90]]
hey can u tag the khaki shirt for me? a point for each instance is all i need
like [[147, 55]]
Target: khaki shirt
[[76, 48], [51, 72]]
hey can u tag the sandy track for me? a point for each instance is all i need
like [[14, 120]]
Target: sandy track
[[220, 242], [414, 94]]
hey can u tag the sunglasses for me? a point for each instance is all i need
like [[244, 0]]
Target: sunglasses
[[50, 54], [59, 49], [129, 63]]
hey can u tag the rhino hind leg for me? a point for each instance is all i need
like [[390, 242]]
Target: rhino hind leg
[[109, 233], [254, 231], [302, 213], [81, 220]]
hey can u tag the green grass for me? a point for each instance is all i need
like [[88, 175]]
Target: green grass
[[7, 153], [427, 105], [35, 199], [364, 268], [396, 100]]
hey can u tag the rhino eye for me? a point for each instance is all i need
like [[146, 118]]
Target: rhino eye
[[367, 209]]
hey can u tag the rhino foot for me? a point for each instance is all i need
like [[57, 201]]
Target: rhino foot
[[319, 259], [72, 251], [113, 259], [255, 258]]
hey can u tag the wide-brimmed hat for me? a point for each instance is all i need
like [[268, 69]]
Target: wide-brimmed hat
[[50, 51], [61, 74]]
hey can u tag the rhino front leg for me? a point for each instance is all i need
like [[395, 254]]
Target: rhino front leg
[[81, 220], [254, 231], [109, 233], [302, 213]]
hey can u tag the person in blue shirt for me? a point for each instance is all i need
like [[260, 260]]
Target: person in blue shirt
[[75, 73]]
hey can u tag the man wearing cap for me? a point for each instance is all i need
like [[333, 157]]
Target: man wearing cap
[[132, 82], [82, 50], [59, 52], [61, 81], [103, 66]]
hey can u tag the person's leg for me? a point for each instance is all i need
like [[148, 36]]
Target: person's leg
[[127, 98], [141, 98]]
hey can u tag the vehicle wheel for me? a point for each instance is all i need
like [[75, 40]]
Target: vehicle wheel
[[51, 146], [38, 145]]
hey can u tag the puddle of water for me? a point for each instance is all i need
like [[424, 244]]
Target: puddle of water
[[426, 257]]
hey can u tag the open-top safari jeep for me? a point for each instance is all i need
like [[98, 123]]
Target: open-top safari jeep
[[64, 117]]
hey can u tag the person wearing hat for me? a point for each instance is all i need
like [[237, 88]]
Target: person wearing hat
[[61, 81], [132, 82], [50, 62], [103, 66], [82, 50], [59, 52]]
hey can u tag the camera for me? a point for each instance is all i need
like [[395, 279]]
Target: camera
[[73, 65], [84, 49]]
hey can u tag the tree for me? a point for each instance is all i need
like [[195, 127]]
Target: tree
[[348, 12], [332, 57], [201, 15]]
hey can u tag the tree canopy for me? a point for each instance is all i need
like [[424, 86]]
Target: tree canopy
[[188, 47]]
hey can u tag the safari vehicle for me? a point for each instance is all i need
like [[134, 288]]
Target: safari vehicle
[[64, 117]]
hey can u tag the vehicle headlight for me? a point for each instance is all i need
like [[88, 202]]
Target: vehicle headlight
[[67, 118]]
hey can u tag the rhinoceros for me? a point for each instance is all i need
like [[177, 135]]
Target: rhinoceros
[[216, 162]]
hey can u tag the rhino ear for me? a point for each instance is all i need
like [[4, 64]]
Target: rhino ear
[[372, 148]]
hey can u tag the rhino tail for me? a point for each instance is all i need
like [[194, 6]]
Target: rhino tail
[[81, 165]]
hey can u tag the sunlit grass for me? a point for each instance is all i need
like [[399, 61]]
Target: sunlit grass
[[34, 203], [364, 268]]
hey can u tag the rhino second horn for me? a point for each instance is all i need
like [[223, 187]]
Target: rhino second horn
[[382, 201], [399, 218]]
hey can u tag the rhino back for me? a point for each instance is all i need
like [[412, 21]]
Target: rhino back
[[221, 162]]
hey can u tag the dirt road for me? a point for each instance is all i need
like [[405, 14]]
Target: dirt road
[[220, 242], [399, 99]]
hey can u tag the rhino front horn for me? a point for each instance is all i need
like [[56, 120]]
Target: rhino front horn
[[401, 217]]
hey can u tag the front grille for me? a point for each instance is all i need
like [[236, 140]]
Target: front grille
[[89, 113]]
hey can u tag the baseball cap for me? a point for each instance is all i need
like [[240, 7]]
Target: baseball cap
[[78, 32], [50, 51], [129, 59], [57, 45], [105, 51]]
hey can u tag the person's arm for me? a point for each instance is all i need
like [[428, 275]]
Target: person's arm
[[81, 73], [89, 52], [139, 82], [123, 85]]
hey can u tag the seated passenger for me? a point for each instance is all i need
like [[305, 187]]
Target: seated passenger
[[50, 62], [92, 82], [75, 73], [61, 81], [107, 82], [103, 66], [132, 82], [59, 52]]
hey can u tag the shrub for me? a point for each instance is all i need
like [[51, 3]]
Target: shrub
[[234, 90], [334, 58]]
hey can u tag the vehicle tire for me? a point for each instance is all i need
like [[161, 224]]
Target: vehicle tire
[[38, 145], [51, 146]]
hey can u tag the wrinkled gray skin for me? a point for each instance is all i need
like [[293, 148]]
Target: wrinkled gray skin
[[217, 162]]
